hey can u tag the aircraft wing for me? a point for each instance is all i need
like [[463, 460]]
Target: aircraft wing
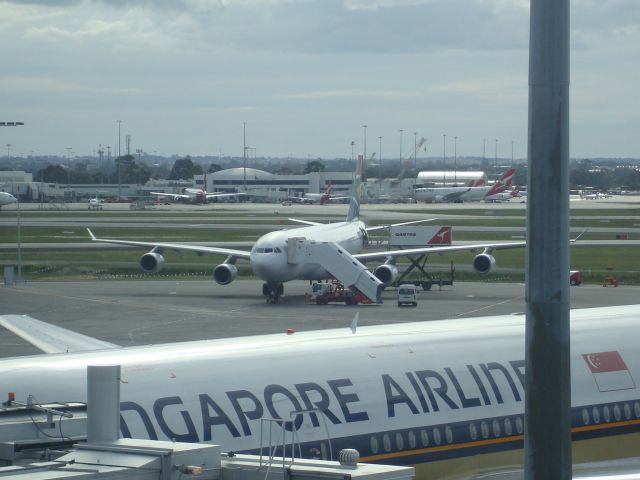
[[172, 195], [243, 254], [453, 196], [437, 249], [383, 227], [49, 338], [304, 222], [222, 195]]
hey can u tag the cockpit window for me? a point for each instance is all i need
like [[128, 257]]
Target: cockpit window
[[277, 250], [268, 250], [259, 250]]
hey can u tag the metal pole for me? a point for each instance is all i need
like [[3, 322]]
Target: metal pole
[[19, 246], [365, 142], [547, 348], [244, 142], [380, 165], [455, 160], [401, 131], [495, 154], [444, 156], [119, 161]]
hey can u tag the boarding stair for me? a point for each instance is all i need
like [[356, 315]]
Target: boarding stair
[[337, 262]]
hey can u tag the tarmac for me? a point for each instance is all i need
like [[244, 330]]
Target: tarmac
[[152, 311]]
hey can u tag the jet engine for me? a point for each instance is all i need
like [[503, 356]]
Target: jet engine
[[483, 263], [151, 262], [225, 273], [386, 273]]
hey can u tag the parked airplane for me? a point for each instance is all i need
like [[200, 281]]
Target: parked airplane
[[320, 198], [95, 203], [446, 396], [269, 257], [466, 193], [7, 199], [196, 195]]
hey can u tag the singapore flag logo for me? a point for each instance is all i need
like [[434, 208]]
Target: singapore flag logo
[[609, 371]]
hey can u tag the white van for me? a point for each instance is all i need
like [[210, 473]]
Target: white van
[[408, 295]]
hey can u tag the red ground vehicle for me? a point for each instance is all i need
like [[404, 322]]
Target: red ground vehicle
[[323, 293], [575, 277]]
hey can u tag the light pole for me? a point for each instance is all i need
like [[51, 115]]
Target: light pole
[[484, 150], [455, 160], [364, 127], [380, 164], [444, 158], [353, 144], [401, 132], [119, 160], [244, 151], [511, 152], [495, 154]]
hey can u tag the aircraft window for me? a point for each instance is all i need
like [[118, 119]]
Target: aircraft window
[[375, 448], [606, 413], [519, 425], [484, 428], [448, 434], [508, 429], [473, 431], [268, 250], [277, 250], [399, 441], [585, 416], [617, 413], [259, 250], [412, 439], [596, 415], [627, 411], [636, 408], [437, 438], [386, 442], [424, 437], [496, 428]]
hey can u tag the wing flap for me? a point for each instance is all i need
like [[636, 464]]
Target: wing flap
[[49, 338]]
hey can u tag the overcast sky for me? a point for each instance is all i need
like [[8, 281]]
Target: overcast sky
[[305, 75]]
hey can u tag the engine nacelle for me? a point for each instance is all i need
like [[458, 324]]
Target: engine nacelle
[[151, 262], [484, 263], [225, 273], [386, 273]]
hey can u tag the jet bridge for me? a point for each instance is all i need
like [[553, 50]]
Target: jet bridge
[[338, 262]]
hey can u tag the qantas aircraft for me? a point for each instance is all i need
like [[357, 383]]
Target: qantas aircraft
[[196, 195], [270, 256], [446, 396], [7, 199], [320, 198], [467, 193]]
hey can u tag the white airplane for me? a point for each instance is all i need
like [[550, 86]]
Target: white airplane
[[269, 256], [446, 396], [320, 198], [196, 195], [466, 193], [7, 199], [95, 203]]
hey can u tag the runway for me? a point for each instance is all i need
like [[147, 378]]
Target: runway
[[144, 312]]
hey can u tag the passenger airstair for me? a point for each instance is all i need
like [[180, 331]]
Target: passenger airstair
[[338, 262]]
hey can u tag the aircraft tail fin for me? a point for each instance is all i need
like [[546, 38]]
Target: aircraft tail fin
[[356, 193], [505, 181]]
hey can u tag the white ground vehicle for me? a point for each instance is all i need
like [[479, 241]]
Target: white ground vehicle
[[408, 295]]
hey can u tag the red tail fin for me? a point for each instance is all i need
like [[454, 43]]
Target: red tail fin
[[442, 237]]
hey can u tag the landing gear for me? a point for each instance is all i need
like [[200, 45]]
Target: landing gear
[[273, 292]]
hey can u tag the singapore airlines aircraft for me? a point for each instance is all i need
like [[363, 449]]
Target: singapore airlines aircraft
[[7, 199], [270, 257], [466, 193], [446, 396]]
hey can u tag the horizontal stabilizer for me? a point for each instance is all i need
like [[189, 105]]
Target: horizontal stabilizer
[[49, 338]]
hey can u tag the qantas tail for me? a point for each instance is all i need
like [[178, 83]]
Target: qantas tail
[[326, 195], [356, 192], [442, 237], [505, 182]]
